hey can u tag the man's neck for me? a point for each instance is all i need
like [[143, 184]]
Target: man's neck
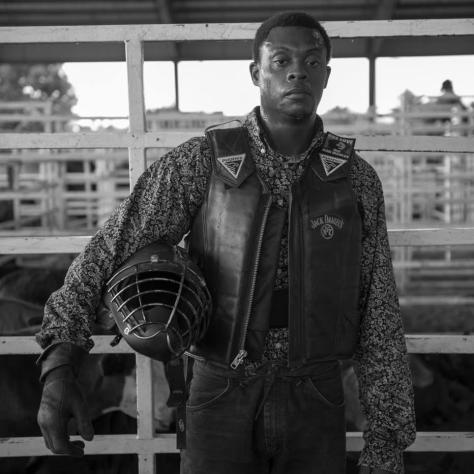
[[289, 137]]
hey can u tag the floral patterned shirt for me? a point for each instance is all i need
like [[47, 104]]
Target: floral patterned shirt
[[162, 205]]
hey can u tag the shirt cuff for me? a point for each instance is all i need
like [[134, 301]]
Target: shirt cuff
[[379, 453]]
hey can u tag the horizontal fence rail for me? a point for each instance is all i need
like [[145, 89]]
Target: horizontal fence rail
[[398, 238], [172, 139], [165, 443], [228, 31], [416, 343], [137, 140]]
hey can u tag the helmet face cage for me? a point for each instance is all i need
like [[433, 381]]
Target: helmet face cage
[[160, 304]]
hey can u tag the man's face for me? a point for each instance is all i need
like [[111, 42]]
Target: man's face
[[291, 72]]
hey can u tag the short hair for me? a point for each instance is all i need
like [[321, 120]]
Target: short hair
[[447, 85], [291, 18]]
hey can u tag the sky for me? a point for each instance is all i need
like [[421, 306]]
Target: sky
[[212, 86]]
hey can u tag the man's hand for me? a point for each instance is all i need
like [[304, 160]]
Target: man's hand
[[373, 470], [62, 401]]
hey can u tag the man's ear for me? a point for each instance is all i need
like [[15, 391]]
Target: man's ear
[[254, 69], [328, 73]]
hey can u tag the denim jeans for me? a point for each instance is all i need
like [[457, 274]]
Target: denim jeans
[[270, 420]]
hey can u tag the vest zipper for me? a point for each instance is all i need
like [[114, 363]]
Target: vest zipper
[[242, 354]]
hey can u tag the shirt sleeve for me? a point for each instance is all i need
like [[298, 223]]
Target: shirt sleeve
[[162, 205], [381, 361]]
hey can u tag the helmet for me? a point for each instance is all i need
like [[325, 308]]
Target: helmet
[[159, 301]]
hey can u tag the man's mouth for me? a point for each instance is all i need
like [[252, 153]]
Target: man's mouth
[[297, 92]]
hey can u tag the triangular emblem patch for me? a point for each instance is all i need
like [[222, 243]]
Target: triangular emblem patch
[[232, 164], [331, 163]]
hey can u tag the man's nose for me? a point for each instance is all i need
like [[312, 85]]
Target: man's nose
[[297, 74]]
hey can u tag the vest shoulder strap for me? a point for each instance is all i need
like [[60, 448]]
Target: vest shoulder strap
[[333, 159], [231, 157]]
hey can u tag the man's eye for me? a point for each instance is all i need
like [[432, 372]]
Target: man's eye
[[314, 62], [279, 61]]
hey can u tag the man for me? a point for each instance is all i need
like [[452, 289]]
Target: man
[[288, 226]]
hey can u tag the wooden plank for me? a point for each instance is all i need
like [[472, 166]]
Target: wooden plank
[[436, 300], [144, 397], [433, 236], [28, 345], [45, 155], [171, 139], [43, 245], [425, 441], [102, 444], [439, 264], [222, 50], [25, 117], [39, 232], [465, 273], [397, 237], [416, 343], [435, 286], [440, 344], [137, 164], [136, 105], [70, 140], [443, 441], [165, 443], [147, 464], [228, 31], [417, 143]]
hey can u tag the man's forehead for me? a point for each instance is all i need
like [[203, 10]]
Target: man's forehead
[[294, 37]]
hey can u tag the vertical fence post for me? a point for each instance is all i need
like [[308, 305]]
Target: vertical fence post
[[137, 164]]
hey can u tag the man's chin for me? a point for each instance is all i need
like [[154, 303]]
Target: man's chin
[[299, 114], [298, 110]]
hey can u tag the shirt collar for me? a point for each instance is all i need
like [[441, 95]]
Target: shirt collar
[[257, 134]]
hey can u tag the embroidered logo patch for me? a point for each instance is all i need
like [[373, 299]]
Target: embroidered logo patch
[[232, 164], [331, 163], [327, 225], [341, 147]]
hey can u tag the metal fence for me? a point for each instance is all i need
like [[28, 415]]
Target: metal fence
[[145, 443]]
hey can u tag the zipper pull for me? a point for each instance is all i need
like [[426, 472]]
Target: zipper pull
[[239, 358]]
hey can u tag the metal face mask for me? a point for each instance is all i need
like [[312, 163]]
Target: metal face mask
[[160, 301]]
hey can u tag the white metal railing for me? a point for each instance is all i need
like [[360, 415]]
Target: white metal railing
[[137, 140]]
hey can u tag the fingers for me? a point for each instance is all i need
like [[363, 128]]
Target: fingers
[[57, 440], [61, 403], [57, 409]]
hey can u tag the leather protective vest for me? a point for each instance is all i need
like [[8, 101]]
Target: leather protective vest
[[236, 238]]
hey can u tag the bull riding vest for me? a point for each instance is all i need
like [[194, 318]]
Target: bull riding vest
[[236, 237]]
